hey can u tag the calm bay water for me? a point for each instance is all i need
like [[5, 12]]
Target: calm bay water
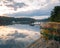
[[18, 36]]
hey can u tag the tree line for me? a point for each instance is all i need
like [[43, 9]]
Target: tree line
[[9, 20], [55, 14]]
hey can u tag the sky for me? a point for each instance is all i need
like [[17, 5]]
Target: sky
[[27, 7]]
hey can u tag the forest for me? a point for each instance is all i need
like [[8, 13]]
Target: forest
[[12, 20]]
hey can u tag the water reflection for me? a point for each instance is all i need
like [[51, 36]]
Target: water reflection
[[25, 34]]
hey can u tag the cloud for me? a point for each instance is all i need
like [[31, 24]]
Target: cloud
[[31, 13], [27, 7], [16, 5], [38, 8]]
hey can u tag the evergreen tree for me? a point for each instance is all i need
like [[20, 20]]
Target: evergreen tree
[[55, 14]]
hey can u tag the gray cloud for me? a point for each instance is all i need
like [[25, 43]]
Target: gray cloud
[[45, 7], [38, 12], [16, 5], [30, 13], [13, 4]]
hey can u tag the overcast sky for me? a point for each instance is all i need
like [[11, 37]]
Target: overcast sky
[[27, 7]]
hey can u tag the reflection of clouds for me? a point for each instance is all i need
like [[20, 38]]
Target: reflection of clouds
[[26, 28], [11, 43], [16, 35]]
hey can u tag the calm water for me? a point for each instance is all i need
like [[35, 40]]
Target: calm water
[[18, 36]]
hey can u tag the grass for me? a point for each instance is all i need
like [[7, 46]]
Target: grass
[[51, 30]]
